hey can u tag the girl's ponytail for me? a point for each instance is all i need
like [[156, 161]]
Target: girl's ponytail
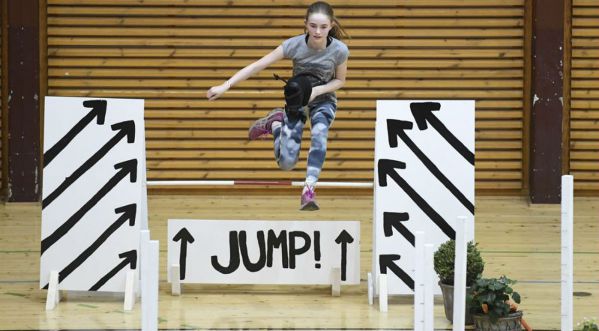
[[338, 32]]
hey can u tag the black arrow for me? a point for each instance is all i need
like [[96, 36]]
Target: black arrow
[[129, 257], [344, 238], [185, 237], [386, 262], [387, 168], [98, 110], [393, 220], [125, 129], [396, 128], [128, 214], [124, 168], [423, 112]]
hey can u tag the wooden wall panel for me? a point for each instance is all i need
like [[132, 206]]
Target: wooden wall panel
[[584, 115], [171, 52], [2, 110]]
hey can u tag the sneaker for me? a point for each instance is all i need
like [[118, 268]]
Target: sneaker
[[309, 199], [263, 127]]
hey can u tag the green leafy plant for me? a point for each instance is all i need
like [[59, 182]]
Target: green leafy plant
[[587, 325], [444, 263], [491, 296]]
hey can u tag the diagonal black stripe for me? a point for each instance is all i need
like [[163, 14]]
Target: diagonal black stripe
[[385, 168], [423, 112], [89, 163], [426, 208], [451, 139], [128, 167], [387, 262], [129, 258], [128, 215], [435, 171], [391, 220], [99, 110]]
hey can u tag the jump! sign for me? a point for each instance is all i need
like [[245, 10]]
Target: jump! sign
[[264, 252]]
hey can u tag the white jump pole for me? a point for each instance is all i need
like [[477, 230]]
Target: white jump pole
[[567, 252], [149, 301], [459, 276], [419, 281], [429, 284], [250, 182]]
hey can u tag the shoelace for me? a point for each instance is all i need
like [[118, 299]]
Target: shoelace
[[309, 193]]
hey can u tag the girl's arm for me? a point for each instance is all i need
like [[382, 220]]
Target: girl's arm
[[334, 84], [216, 91]]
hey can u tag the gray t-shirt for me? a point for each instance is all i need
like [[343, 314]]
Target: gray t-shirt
[[320, 63]]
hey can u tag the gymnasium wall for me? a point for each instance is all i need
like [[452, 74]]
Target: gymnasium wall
[[2, 114], [170, 52], [584, 115]]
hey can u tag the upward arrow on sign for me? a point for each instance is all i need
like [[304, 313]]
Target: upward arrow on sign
[[423, 113], [396, 128], [388, 168], [344, 238], [125, 129], [185, 237], [98, 111], [124, 169]]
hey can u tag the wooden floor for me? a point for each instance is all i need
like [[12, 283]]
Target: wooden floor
[[516, 239]]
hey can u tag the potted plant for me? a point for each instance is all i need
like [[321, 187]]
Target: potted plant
[[444, 267], [492, 304], [587, 325]]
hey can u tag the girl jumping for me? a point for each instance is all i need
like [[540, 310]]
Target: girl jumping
[[319, 69]]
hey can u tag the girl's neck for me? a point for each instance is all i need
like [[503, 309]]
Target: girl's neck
[[317, 45]]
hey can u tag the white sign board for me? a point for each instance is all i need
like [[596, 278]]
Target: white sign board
[[424, 180], [94, 167], [264, 252]]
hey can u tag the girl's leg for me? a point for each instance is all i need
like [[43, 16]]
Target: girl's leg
[[321, 118], [287, 142]]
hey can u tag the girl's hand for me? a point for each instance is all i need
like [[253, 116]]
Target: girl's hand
[[216, 91], [314, 93]]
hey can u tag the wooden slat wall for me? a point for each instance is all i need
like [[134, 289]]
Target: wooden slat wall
[[2, 119], [170, 52], [584, 115]]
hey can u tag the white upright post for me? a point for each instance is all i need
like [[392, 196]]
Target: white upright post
[[419, 266], [459, 277], [382, 284], [429, 292], [129, 291], [175, 272], [370, 289], [53, 295], [144, 239], [149, 301], [335, 282], [144, 190], [567, 252]]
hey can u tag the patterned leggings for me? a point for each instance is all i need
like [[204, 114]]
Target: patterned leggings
[[288, 139]]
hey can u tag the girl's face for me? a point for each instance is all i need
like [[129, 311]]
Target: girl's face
[[318, 26]]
